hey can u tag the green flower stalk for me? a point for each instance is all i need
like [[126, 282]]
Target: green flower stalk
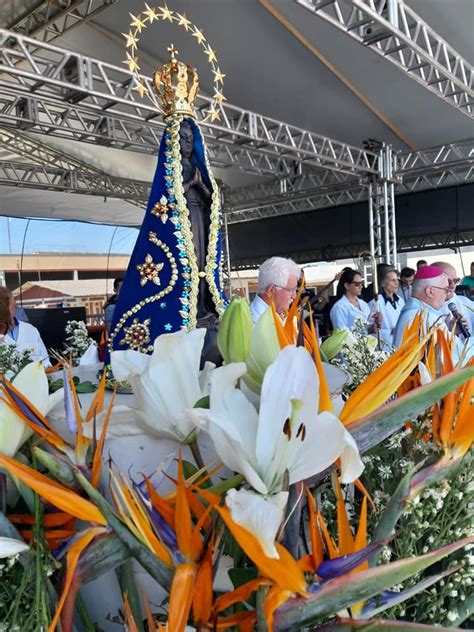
[[235, 332]]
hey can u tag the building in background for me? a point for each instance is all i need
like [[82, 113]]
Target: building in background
[[16, 270]]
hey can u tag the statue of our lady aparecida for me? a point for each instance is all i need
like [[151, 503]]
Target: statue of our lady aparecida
[[174, 278]]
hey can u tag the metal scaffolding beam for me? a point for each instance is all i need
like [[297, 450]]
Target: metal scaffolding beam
[[50, 19], [37, 152], [67, 94], [394, 31], [51, 178], [431, 168]]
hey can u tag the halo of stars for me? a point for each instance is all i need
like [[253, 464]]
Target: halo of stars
[[140, 22]]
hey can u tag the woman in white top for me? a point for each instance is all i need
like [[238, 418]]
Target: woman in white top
[[350, 307], [390, 304]]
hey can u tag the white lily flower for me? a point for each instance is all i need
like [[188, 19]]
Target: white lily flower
[[32, 383], [10, 547], [286, 434], [166, 384], [262, 515]]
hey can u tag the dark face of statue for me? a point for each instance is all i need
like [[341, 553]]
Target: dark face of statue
[[186, 140]]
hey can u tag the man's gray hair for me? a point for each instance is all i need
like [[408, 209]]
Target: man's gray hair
[[419, 285], [276, 271]]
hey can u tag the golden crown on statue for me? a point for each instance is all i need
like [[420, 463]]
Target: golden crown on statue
[[176, 85]]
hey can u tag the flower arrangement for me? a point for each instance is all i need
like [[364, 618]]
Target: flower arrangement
[[12, 360], [307, 513], [77, 340]]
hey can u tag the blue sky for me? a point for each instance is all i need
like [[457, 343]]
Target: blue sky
[[62, 236]]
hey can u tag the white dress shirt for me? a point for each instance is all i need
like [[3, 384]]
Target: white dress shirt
[[390, 311], [26, 337], [257, 308], [343, 313]]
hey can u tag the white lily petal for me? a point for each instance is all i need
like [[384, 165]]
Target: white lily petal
[[129, 363], [324, 443], [351, 463], [425, 374], [291, 377], [205, 378], [261, 515], [10, 546], [233, 423], [32, 382]]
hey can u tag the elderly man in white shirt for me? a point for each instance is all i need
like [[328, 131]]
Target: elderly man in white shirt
[[278, 283], [430, 289], [24, 335], [452, 297]]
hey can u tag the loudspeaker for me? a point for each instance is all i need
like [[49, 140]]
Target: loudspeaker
[[52, 322]]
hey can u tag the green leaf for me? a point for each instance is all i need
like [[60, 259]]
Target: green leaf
[[402, 596], [103, 554], [345, 591], [410, 486], [85, 387], [129, 588], [377, 625], [240, 576], [465, 611], [160, 571], [56, 466], [380, 424]]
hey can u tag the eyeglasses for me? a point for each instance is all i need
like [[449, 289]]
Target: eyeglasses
[[291, 290], [454, 282], [357, 283], [446, 290]]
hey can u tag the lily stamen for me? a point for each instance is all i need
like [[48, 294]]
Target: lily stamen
[[287, 428]]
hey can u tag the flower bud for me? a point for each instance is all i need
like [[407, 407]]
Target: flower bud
[[264, 351], [235, 332], [332, 346]]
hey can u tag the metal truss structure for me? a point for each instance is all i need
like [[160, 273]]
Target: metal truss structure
[[45, 89], [50, 19], [67, 94], [419, 170], [51, 178], [393, 30]]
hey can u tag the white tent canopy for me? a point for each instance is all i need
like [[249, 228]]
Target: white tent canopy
[[268, 70]]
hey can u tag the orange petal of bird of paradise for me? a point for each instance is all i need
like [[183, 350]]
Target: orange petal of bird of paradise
[[181, 596], [242, 593], [97, 459], [97, 404], [384, 381], [72, 558], [55, 493], [284, 571], [275, 598], [317, 546], [202, 598], [462, 435]]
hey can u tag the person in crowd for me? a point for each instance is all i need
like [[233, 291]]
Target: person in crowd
[[368, 292], [421, 264], [278, 283], [350, 306], [109, 307], [389, 304], [469, 281], [20, 314], [24, 335], [5, 318], [430, 289], [462, 303], [406, 280]]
